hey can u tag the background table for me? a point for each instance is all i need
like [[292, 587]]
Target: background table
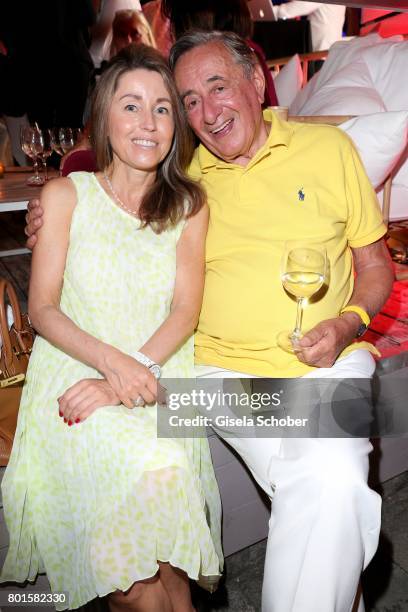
[[15, 194]]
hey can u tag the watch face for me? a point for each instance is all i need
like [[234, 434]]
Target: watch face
[[361, 330], [155, 370]]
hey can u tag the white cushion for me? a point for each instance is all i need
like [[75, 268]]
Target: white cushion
[[304, 94], [349, 91], [345, 67], [288, 81], [381, 139], [388, 68], [346, 52]]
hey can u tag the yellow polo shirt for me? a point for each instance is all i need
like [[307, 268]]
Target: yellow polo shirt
[[307, 181]]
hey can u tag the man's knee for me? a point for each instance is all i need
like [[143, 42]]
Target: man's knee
[[337, 464]]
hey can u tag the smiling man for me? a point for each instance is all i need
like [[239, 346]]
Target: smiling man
[[269, 181]]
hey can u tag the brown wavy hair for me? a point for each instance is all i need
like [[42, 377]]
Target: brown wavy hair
[[173, 195]]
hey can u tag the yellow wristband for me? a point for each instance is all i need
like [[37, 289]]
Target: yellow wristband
[[360, 311]]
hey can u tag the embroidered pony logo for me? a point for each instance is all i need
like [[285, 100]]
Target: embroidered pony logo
[[301, 194]]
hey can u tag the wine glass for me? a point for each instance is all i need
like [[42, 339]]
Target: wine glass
[[303, 272], [46, 149], [77, 133], [55, 141], [30, 143], [66, 139]]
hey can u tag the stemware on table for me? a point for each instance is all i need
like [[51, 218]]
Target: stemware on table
[[31, 145], [44, 149]]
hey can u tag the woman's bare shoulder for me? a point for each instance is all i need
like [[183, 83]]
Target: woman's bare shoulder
[[57, 190]]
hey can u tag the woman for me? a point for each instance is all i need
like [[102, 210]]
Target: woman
[[130, 26], [91, 495], [101, 32]]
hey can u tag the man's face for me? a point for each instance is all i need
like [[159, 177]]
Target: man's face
[[223, 106]]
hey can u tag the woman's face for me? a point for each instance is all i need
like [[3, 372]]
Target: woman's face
[[125, 32], [141, 124]]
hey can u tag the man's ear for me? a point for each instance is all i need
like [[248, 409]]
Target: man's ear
[[258, 79]]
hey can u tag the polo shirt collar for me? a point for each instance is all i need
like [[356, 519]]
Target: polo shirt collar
[[280, 134]]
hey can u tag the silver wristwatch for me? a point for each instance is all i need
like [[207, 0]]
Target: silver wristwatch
[[151, 365]]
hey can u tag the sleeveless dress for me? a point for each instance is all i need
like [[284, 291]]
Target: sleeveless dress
[[97, 504]]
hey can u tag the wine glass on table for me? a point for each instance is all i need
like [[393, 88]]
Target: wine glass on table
[[303, 272], [46, 149], [66, 139], [55, 141], [77, 132], [30, 145]]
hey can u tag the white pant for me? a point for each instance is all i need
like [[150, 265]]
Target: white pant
[[325, 520]]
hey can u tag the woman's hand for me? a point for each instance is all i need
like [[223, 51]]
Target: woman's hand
[[84, 397], [128, 378]]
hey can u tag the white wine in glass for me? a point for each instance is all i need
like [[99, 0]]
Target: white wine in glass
[[303, 272]]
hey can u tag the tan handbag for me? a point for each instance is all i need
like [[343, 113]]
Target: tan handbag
[[17, 343]]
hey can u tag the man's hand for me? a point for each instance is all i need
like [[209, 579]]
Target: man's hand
[[321, 346], [34, 222], [84, 397]]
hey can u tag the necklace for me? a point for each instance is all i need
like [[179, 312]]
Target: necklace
[[117, 198]]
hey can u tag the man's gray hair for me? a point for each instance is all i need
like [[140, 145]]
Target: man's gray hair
[[237, 47]]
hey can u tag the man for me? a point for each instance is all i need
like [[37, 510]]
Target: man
[[326, 20], [325, 520]]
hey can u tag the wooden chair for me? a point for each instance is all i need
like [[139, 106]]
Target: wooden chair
[[276, 64]]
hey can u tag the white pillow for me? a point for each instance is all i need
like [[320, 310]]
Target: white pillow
[[288, 81], [388, 68], [304, 94], [345, 57], [380, 139], [349, 91]]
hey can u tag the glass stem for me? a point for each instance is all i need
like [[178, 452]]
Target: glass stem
[[44, 161], [299, 315], [36, 168]]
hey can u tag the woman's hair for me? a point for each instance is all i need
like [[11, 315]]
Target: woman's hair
[[130, 22], [240, 52], [172, 195], [208, 15]]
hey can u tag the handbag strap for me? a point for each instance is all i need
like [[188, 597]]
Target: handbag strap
[[7, 289]]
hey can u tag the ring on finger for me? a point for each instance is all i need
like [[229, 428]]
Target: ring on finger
[[138, 402]]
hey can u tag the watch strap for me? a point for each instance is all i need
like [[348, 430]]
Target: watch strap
[[143, 359]]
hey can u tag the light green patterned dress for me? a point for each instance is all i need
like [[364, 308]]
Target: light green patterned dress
[[97, 504]]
